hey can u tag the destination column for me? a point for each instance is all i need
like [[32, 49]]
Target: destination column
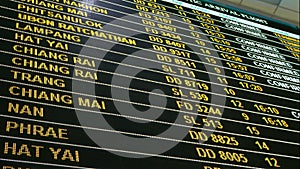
[[37, 63]]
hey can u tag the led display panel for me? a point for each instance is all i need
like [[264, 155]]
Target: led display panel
[[146, 84]]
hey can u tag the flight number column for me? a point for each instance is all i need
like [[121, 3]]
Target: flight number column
[[211, 111], [172, 52]]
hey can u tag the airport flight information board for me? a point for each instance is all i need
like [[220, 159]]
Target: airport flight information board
[[146, 84]]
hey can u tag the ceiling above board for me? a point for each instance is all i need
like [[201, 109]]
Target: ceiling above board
[[284, 10]]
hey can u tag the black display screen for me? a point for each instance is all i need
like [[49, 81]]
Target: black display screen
[[146, 84]]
